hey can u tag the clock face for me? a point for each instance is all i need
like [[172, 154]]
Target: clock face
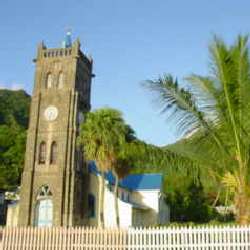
[[51, 113]]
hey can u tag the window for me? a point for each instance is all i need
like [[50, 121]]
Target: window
[[44, 208], [42, 153], [91, 205], [49, 81], [1, 198], [122, 196], [53, 153], [110, 188], [60, 80]]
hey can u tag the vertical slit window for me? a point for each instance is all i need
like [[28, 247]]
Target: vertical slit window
[[49, 81], [42, 153], [60, 80], [53, 154]]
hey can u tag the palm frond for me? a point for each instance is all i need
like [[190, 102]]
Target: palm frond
[[226, 71], [178, 102], [182, 106], [230, 181]]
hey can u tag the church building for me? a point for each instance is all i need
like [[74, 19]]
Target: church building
[[57, 187], [52, 186]]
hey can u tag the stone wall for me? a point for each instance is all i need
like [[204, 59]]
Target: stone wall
[[12, 214]]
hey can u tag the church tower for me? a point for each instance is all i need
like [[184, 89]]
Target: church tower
[[52, 181]]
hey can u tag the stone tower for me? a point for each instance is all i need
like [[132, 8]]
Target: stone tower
[[53, 178]]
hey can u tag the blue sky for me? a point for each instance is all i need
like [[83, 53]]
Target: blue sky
[[130, 41]]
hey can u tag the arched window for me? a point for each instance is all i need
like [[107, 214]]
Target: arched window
[[49, 81], [60, 80], [53, 153], [42, 153], [44, 207]]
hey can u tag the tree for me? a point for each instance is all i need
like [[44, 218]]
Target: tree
[[190, 204], [120, 170], [14, 110], [213, 114], [14, 104], [124, 164], [102, 137], [12, 148]]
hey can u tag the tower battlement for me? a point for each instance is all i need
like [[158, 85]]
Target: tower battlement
[[57, 52], [72, 51]]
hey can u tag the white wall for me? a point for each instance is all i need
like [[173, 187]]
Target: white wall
[[149, 198], [156, 212], [12, 214], [164, 212], [125, 209]]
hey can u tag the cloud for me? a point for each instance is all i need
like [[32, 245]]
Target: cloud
[[17, 86], [12, 86], [2, 85]]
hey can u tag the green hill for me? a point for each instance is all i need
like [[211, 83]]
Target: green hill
[[14, 115], [14, 104]]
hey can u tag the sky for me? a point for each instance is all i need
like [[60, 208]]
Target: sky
[[130, 41]]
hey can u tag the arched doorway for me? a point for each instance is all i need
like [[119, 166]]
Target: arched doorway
[[44, 208]]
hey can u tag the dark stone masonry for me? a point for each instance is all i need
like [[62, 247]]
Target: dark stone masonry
[[53, 181]]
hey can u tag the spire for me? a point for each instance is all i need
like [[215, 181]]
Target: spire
[[67, 43]]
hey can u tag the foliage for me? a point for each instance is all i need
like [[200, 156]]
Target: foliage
[[14, 106], [213, 115], [103, 137], [190, 205], [198, 225], [150, 158]]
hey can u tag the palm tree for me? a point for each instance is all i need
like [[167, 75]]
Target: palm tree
[[102, 136], [121, 169], [213, 116]]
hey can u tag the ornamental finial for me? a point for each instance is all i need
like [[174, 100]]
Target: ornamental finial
[[67, 43]]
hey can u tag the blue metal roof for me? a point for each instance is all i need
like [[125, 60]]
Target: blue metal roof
[[132, 181], [142, 181]]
